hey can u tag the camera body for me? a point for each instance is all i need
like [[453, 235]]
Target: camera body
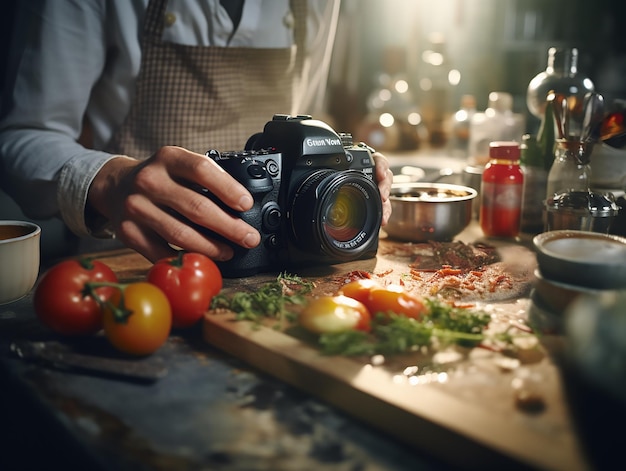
[[315, 197]]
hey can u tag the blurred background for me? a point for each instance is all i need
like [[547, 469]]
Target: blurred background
[[446, 49]]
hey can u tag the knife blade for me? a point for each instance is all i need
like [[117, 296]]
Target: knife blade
[[57, 355]]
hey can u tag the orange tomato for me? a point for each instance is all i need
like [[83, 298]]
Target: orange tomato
[[147, 323], [396, 299], [359, 289]]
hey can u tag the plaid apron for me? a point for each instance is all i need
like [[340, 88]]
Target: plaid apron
[[207, 97]]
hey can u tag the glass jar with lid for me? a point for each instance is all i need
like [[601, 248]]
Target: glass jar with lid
[[570, 169]]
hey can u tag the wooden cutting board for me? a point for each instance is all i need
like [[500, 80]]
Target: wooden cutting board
[[459, 405]]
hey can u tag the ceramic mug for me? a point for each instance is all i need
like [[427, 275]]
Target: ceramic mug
[[19, 259]]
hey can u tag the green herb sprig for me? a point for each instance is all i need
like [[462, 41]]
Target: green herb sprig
[[271, 300], [393, 333]]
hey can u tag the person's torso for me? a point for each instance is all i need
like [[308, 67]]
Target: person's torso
[[263, 25]]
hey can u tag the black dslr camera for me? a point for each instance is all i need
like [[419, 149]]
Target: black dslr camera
[[315, 196]]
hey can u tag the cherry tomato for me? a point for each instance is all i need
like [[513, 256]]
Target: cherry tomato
[[395, 299], [63, 304], [330, 314], [137, 319], [359, 289], [189, 281]]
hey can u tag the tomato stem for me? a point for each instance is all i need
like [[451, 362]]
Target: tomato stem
[[120, 312], [178, 260], [86, 263]]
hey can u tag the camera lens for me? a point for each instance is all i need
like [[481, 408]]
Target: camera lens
[[346, 214], [337, 214]]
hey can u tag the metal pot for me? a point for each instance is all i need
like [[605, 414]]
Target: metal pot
[[472, 177], [429, 211]]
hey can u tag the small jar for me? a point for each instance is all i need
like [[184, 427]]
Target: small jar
[[501, 191], [570, 169]]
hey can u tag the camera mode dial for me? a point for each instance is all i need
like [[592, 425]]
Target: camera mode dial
[[255, 169]]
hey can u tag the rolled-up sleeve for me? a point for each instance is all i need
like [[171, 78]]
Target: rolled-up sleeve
[[56, 56], [49, 176]]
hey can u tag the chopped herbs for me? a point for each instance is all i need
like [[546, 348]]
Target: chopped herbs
[[270, 300], [391, 333], [395, 333]]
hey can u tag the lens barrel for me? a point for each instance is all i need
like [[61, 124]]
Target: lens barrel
[[336, 214]]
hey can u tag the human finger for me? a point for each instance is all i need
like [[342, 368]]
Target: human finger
[[202, 172], [176, 230], [162, 185]]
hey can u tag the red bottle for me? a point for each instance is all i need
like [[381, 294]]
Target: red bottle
[[501, 191]]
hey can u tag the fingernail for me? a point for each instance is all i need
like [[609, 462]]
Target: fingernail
[[251, 240], [225, 255], [246, 202]]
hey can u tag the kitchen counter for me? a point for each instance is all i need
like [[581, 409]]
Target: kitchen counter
[[206, 410]]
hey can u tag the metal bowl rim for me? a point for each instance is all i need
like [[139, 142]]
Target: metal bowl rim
[[471, 192], [540, 240]]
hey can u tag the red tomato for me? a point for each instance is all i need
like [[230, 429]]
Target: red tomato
[[395, 299], [359, 289], [189, 281], [137, 319], [62, 302], [330, 314]]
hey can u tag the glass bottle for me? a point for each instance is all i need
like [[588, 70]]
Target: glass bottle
[[570, 170], [460, 126], [501, 191], [546, 136], [497, 123], [437, 81], [535, 183], [561, 76]]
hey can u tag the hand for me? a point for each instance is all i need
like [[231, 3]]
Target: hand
[[384, 177], [145, 199]]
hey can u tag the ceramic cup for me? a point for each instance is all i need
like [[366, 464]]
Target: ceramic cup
[[19, 259]]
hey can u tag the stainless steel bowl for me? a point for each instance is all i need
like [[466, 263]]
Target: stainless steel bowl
[[429, 211]]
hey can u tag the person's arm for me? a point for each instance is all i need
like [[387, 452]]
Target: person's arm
[[60, 53], [56, 57]]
